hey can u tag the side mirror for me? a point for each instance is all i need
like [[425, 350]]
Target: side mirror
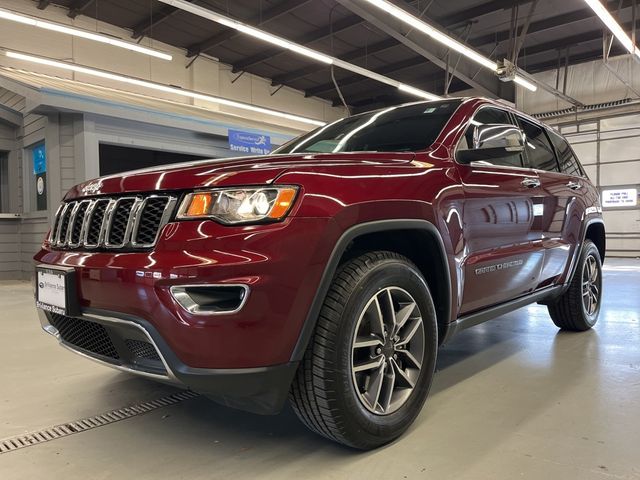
[[492, 141]]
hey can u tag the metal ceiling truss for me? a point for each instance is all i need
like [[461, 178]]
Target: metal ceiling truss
[[485, 82], [78, 7], [283, 8]]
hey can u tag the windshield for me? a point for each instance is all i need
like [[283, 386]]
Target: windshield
[[396, 129]]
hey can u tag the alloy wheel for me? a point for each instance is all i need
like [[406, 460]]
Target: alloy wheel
[[387, 350], [591, 285]]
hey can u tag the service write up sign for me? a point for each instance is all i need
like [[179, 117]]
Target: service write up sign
[[249, 143]]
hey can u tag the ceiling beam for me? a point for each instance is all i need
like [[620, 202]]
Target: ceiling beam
[[448, 21], [159, 16], [483, 80], [78, 7], [288, 77], [352, 79], [313, 36], [575, 59], [277, 11], [529, 51]]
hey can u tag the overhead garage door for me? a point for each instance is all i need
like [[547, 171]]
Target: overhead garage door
[[609, 149]]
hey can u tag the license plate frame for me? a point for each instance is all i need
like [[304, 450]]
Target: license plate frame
[[48, 279]]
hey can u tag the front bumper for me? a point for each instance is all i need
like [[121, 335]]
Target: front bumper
[[133, 345], [281, 264]]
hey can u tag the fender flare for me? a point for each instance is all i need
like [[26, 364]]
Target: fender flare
[[574, 260], [340, 247]]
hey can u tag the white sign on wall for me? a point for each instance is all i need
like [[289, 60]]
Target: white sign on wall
[[624, 197]]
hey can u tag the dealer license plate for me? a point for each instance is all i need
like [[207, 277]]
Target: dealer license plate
[[53, 289]]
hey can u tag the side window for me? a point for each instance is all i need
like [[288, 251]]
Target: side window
[[539, 151], [568, 162], [491, 115]]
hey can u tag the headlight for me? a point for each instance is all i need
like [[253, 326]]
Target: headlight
[[238, 205]]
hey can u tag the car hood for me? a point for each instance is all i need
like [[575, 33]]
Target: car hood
[[261, 170]]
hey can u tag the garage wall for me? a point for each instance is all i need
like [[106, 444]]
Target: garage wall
[[205, 74], [609, 150], [590, 83]]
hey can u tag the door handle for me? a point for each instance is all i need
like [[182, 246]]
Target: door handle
[[530, 183], [574, 185]]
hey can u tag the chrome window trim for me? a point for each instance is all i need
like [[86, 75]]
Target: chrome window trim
[[184, 300]]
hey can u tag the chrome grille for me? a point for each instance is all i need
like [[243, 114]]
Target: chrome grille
[[111, 223]]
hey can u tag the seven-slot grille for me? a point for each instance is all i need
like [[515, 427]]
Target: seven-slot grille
[[111, 223]]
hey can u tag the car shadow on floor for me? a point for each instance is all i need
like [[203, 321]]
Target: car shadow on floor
[[470, 353]]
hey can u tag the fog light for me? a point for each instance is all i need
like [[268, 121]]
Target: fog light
[[211, 299]]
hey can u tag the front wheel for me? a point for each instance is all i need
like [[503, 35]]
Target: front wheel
[[578, 308], [368, 368]]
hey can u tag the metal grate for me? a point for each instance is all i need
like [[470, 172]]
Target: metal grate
[[89, 336], [59, 431], [150, 216], [111, 223], [78, 222], [95, 221], [140, 349], [119, 222]]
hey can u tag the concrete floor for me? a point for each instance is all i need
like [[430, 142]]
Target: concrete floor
[[513, 398]]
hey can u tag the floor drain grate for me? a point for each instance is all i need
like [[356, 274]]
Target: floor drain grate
[[66, 429]]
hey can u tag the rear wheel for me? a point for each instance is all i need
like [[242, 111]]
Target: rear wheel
[[578, 307], [368, 368]]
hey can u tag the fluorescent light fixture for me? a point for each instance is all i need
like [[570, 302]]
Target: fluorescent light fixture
[[249, 30], [614, 26], [294, 47], [414, 91], [434, 33], [159, 87], [417, 24], [77, 32], [525, 83]]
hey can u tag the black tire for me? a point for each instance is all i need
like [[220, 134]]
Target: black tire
[[323, 393], [569, 311]]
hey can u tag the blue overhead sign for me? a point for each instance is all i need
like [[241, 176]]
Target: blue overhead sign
[[251, 143], [39, 153]]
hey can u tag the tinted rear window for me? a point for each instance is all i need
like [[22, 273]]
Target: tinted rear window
[[394, 129]]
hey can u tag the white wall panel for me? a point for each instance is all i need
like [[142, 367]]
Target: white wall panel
[[205, 74], [620, 149], [620, 173], [587, 152]]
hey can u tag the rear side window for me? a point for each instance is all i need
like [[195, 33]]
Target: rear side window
[[539, 150], [568, 161]]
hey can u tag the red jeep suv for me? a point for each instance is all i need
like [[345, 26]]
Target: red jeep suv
[[329, 272]]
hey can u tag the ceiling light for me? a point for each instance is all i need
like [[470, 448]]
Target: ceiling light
[[525, 83], [417, 24], [159, 87], [294, 47], [614, 26], [249, 30], [77, 32], [418, 93]]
